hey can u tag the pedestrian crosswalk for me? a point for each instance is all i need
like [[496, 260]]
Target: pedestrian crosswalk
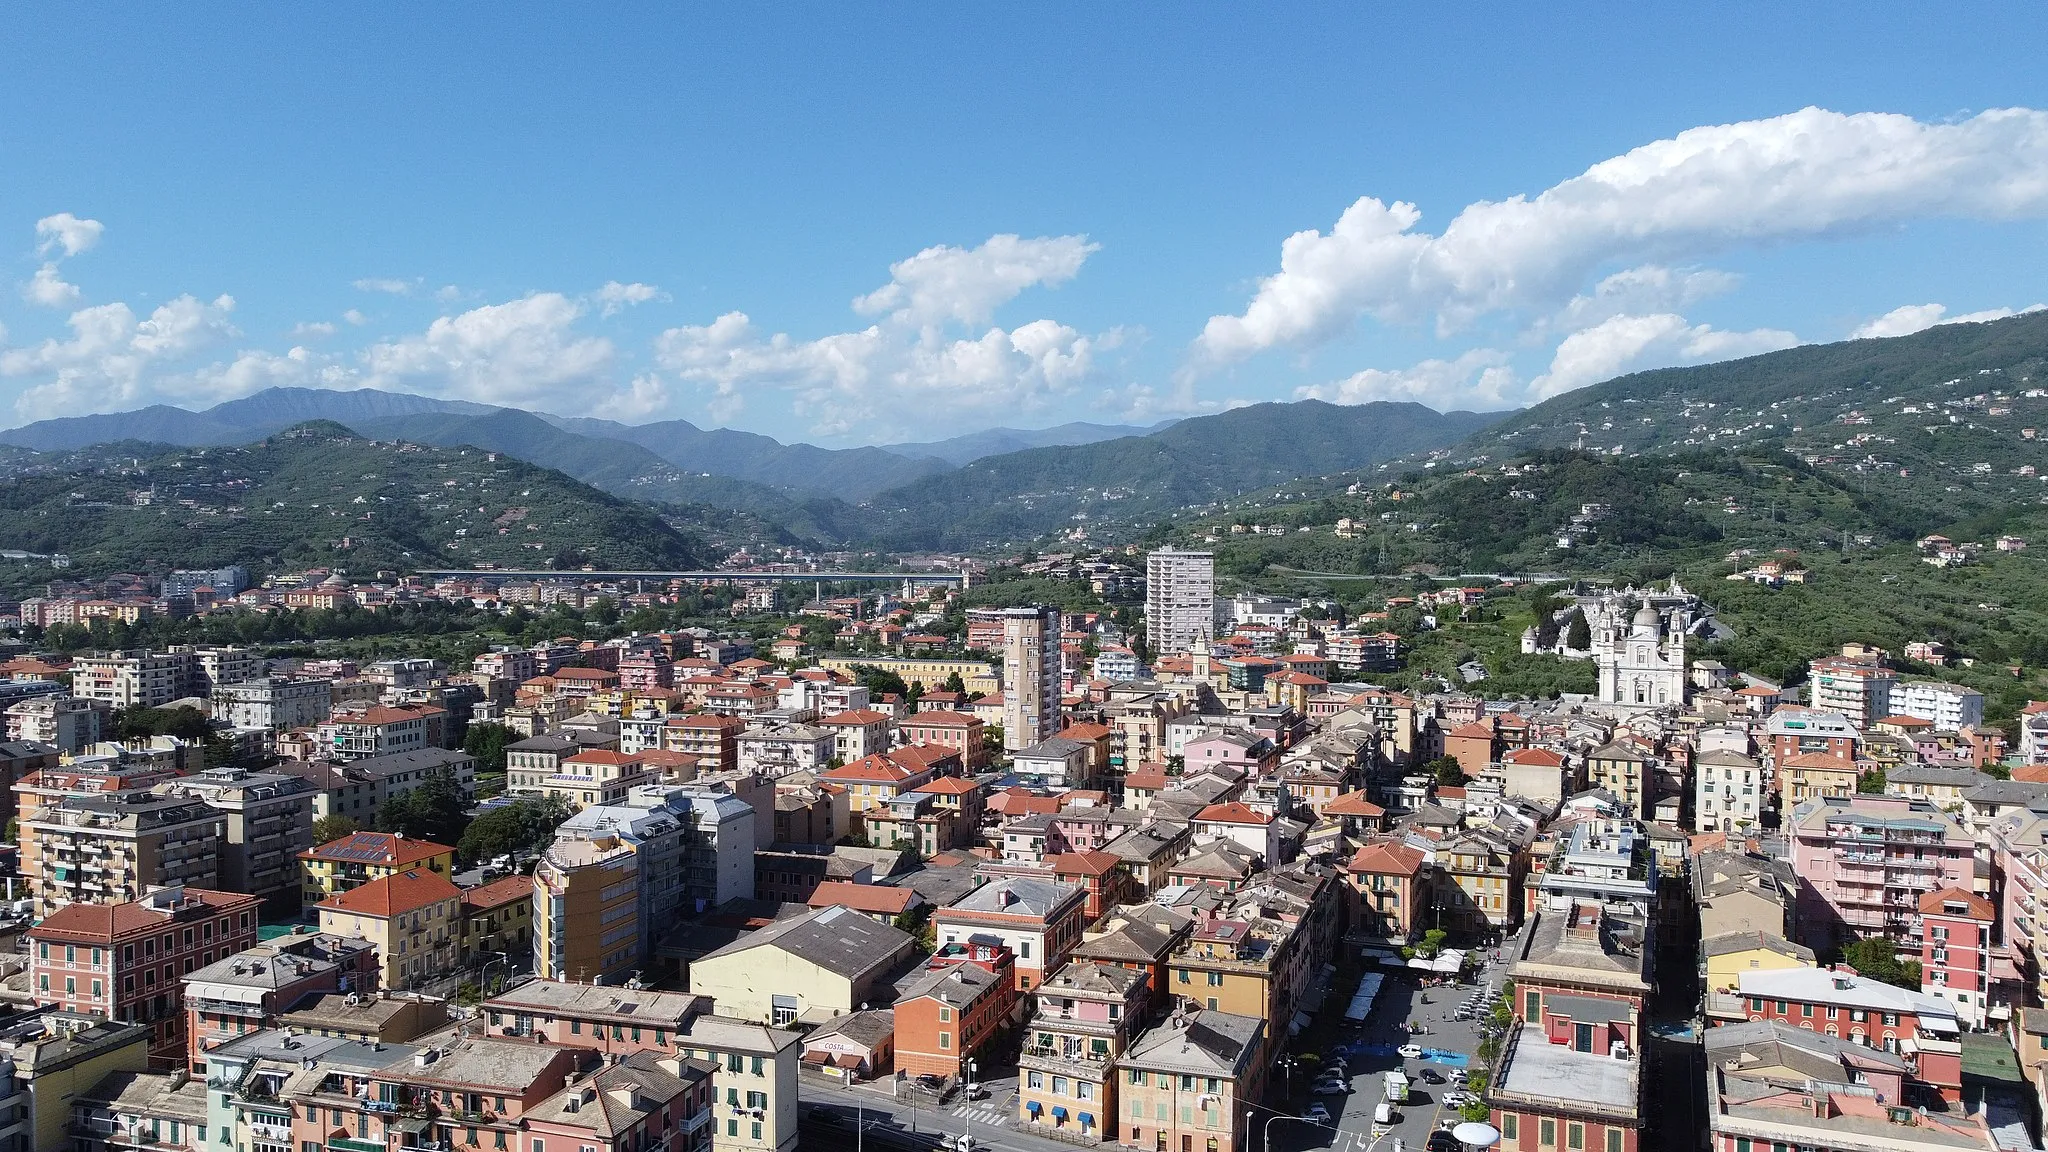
[[982, 1112]]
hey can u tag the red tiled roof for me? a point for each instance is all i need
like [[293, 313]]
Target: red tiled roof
[[949, 786], [1907, 722], [1476, 730], [387, 848], [1387, 857], [862, 897], [1820, 760], [104, 922], [1540, 757], [498, 893], [603, 756], [1977, 908], [1234, 812], [879, 766], [1083, 863], [1087, 731], [394, 895], [941, 719], [1353, 804], [1154, 780]]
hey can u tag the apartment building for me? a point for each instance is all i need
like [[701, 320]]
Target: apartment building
[[1191, 1082], [248, 991], [1570, 1074], [273, 702], [360, 857], [126, 961], [813, 967], [596, 776], [1956, 951], [1949, 707], [1728, 791], [68, 724], [586, 902], [713, 739], [859, 733], [374, 731], [1031, 671], [1038, 920], [134, 679], [695, 850], [1084, 1019], [778, 750], [1180, 600], [955, 732], [947, 1016], [1771, 1085], [754, 1078], [1859, 688], [1863, 862], [114, 849], [414, 918], [269, 821]]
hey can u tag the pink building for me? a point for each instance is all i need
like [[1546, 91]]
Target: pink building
[[640, 671], [1864, 862], [1955, 951]]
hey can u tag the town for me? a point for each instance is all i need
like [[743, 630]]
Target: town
[[1051, 881]]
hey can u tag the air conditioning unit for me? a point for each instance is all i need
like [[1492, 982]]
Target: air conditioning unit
[[1618, 1050]]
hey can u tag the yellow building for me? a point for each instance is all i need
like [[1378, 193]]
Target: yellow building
[[1728, 957], [811, 968], [414, 918], [586, 911], [360, 857], [1486, 872], [497, 918], [57, 1057], [1812, 775], [975, 675]]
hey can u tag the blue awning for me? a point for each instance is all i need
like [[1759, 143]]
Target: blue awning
[[1059, 1113], [1087, 1119], [1031, 1105]]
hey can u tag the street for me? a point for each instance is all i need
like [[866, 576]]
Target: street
[[1448, 1043], [909, 1120]]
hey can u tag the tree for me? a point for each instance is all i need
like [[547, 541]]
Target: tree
[[879, 681], [328, 829], [956, 685], [1878, 958], [1448, 772], [1871, 783], [487, 743], [433, 811], [1578, 634], [511, 829], [1432, 943]]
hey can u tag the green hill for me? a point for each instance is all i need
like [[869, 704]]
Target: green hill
[[1020, 496], [318, 493]]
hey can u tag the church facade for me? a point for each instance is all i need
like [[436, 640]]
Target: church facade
[[1639, 647]]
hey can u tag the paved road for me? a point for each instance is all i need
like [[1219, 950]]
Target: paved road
[[1399, 1002], [910, 1120]]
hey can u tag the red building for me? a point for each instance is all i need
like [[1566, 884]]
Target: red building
[[1838, 1002], [126, 961], [1955, 951], [1104, 877], [966, 997]]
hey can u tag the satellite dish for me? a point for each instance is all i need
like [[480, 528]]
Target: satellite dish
[[1475, 1135]]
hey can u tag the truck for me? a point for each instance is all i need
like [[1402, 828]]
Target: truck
[[1397, 1086]]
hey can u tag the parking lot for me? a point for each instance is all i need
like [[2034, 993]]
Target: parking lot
[[1369, 1053]]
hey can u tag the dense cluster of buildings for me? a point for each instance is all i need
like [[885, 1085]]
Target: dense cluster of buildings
[[1145, 886]]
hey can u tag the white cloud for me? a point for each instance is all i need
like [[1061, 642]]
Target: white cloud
[[102, 366], [523, 353], [1632, 343], [49, 289], [1644, 288], [388, 285], [67, 233], [1910, 318], [967, 285], [616, 296], [932, 351], [448, 293], [1706, 190], [355, 317], [1480, 379], [313, 328]]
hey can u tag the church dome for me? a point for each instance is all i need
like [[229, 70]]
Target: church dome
[[1647, 618]]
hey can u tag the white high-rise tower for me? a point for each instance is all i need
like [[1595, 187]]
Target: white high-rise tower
[[1180, 600]]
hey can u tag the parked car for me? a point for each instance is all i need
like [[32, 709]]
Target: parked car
[[1458, 1099], [1329, 1088], [1410, 1051], [1441, 1140], [1318, 1113], [1432, 1075]]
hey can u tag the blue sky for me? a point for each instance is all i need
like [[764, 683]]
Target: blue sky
[[847, 227]]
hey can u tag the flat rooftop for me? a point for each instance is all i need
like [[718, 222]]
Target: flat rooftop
[[1541, 1071]]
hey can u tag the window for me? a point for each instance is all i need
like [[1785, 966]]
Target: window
[[1037, 1079], [1215, 979], [945, 1015], [1546, 1132], [1137, 1076], [1510, 1126], [1575, 1135], [1614, 1140], [1183, 976]]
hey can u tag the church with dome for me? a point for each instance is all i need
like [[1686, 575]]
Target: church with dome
[[1639, 647]]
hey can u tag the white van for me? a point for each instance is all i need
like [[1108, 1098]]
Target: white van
[[1384, 1114]]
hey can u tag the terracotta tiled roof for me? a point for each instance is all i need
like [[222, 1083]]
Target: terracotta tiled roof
[[109, 921], [1353, 804], [856, 717], [1232, 813], [394, 895], [1977, 907], [384, 848], [1083, 863], [940, 719], [1387, 857], [498, 893], [1540, 757], [862, 897], [1476, 730]]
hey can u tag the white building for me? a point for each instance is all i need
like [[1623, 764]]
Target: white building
[[274, 702], [1728, 791], [1180, 600], [66, 723], [1272, 610], [1114, 664], [1949, 707], [780, 750], [1857, 687], [1031, 672], [132, 679], [1641, 654]]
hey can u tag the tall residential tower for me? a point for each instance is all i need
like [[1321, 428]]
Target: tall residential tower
[[1031, 672], [1180, 600]]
